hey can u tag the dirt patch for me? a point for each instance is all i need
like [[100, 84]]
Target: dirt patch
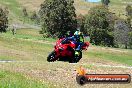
[[107, 49], [63, 75], [39, 41], [16, 54]]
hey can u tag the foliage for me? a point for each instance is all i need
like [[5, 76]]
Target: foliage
[[81, 22], [6, 10], [57, 16], [129, 10], [105, 2], [34, 17], [121, 33], [25, 13], [122, 30], [99, 24], [129, 21], [130, 39], [3, 20], [129, 14]]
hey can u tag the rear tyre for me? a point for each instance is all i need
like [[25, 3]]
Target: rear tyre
[[51, 57], [78, 57]]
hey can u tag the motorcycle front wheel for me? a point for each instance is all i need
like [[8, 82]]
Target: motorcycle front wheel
[[51, 57]]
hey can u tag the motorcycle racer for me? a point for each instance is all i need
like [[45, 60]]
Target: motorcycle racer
[[77, 38]]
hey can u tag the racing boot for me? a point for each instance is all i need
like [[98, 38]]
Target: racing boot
[[76, 53]]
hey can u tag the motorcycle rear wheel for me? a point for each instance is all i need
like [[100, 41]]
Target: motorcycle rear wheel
[[78, 57]]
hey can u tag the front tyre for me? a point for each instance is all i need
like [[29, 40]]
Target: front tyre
[[51, 57]]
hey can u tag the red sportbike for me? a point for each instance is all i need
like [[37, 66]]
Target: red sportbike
[[65, 51]]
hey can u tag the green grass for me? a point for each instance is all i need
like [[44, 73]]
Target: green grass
[[17, 80], [13, 6], [115, 6], [13, 42], [5, 57], [119, 2], [117, 57], [23, 45], [20, 49], [20, 74], [82, 7], [15, 11], [32, 34]]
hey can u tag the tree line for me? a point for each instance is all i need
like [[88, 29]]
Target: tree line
[[104, 27], [32, 16]]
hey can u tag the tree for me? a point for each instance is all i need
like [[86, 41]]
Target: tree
[[130, 39], [25, 13], [129, 22], [57, 16], [105, 2], [34, 17], [129, 10], [3, 20], [6, 10], [129, 14], [98, 25], [121, 33], [81, 22]]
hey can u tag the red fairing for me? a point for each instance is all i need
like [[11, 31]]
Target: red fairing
[[65, 49], [62, 49], [85, 45]]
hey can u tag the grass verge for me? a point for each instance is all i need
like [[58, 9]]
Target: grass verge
[[17, 80], [121, 58]]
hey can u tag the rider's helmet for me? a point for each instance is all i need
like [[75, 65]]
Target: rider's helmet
[[77, 33]]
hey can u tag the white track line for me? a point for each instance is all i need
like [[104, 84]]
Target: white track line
[[6, 61], [110, 66], [113, 66], [128, 67]]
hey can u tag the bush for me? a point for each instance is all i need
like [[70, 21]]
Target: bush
[[121, 33], [3, 20], [34, 17], [99, 26]]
